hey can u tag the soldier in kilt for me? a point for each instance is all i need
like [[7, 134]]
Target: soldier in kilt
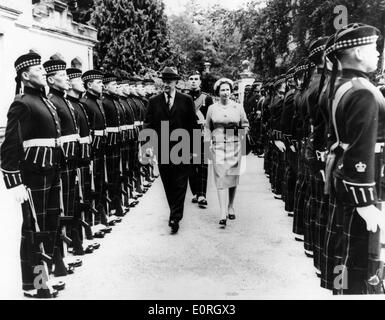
[[128, 104], [124, 145], [297, 129], [58, 83], [358, 116], [278, 148], [30, 158], [112, 114], [139, 112], [266, 132], [320, 122], [316, 50], [290, 159], [83, 209], [93, 81]]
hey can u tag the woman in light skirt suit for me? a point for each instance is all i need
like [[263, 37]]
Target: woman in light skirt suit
[[223, 121]]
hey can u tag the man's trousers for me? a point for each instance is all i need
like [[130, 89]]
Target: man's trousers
[[198, 177], [175, 179]]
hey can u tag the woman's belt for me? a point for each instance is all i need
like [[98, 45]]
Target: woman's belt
[[43, 142]]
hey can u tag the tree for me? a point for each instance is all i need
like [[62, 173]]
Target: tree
[[132, 35], [199, 36]]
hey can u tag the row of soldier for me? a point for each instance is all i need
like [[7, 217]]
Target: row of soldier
[[72, 158], [322, 128]]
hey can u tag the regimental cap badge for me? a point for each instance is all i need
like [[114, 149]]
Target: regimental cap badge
[[361, 167]]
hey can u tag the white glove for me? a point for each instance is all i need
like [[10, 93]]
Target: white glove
[[280, 145], [372, 217], [20, 193]]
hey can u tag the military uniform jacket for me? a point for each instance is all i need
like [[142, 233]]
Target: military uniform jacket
[[360, 119], [97, 120], [203, 104], [322, 121], [276, 111], [111, 111], [287, 116], [30, 116], [311, 117], [123, 120], [84, 129], [297, 123], [266, 113], [141, 107], [68, 123]]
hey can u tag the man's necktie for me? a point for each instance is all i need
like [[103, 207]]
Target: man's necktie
[[169, 101]]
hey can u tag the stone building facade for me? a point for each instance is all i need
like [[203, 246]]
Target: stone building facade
[[45, 27]]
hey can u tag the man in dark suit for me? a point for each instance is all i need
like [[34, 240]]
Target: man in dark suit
[[176, 111]]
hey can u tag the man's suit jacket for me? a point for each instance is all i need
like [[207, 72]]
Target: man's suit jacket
[[180, 116]]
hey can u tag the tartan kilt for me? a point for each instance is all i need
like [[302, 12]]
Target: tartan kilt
[[113, 174], [124, 153], [131, 158], [290, 182], [310, 210], [68, 177], [279, 171], [267, 158], [98, 172], [113, 163], [86, 190], [358, 265], [284, 183], [45, 190], [321, 220], [273, 168], [299, 199], [331, 253]]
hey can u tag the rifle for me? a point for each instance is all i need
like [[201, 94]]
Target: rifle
[[45, 290]]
